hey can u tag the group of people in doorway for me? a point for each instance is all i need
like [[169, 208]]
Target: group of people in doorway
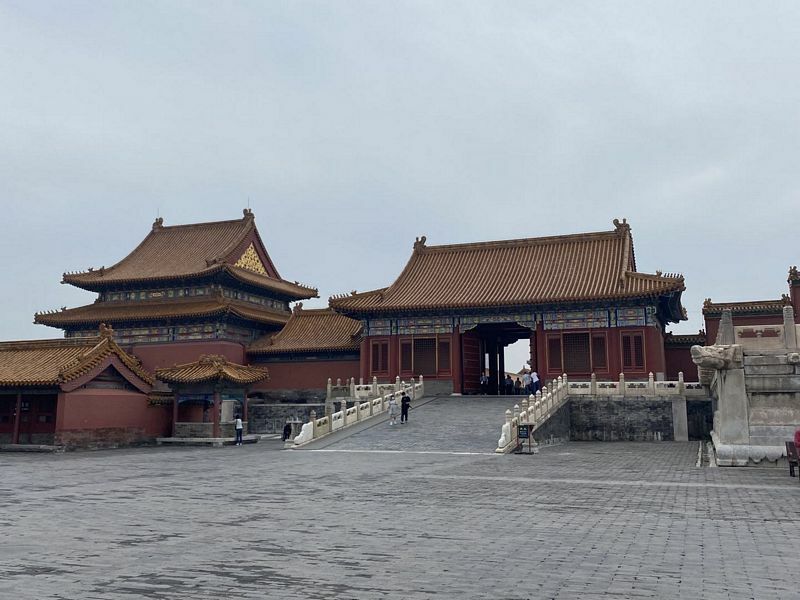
[[405, 406], [529, 384]]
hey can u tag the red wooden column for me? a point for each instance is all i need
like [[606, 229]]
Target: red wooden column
[[216, 412], [175, 414], [364, 360], [456, 361], [15, 436]]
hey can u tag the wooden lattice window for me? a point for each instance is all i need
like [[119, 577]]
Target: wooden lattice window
[[554, 354], [406, 357], [576, 353], [599, 356], [425, 356], [380, 357], [633, 351], [444, 355]]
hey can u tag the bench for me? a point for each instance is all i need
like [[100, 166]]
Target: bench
[[791, 456]]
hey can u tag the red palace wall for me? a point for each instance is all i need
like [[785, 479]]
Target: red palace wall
[[103, 417], [154, 356], [712, 323], [305, 375], [679, 359], [654, 357]]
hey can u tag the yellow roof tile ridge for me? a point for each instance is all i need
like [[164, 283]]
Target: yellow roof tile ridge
[[533, 241]]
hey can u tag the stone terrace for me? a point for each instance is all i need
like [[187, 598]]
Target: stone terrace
[[580, 520]]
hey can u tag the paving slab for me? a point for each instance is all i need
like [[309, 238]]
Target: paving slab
[[580, 520]]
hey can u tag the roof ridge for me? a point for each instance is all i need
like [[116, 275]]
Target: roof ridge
[[534, 241]]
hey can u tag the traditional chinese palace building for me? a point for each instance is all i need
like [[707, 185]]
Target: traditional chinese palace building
[[579, 299], [195, 325], [185, 291]]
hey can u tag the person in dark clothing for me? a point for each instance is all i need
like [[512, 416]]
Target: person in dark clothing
[[517, 386], [405, 404], [484, 384], [287, 431], [239, 429], [509, 386]]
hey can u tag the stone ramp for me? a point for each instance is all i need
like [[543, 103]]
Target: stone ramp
[[443, 424]]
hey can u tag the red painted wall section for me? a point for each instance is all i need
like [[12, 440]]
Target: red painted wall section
[[456, 362], [679, 359], [712, 324], [101, 417], [306, 375], [794, 294], [154, 356]]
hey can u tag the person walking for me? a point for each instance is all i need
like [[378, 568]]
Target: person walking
[[239, 430], [526, 382], [534, 382], [484, 383], [517, 386], [405, 405], [287, 431], [509, 385], [392, 410]]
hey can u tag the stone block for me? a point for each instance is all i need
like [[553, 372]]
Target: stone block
[[774, 369], [761, 360]]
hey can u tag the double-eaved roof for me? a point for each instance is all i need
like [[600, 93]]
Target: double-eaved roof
[[149, 310], [191, 251], [535, 271], [52, 363], [311, 330]]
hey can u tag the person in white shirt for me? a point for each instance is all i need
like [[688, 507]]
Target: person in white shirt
[[392, 411], [239, 430], [534, 382]]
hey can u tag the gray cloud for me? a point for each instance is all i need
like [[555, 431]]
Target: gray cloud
[[354, 126]]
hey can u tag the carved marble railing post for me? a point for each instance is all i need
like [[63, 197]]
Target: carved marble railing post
[[397, 384], [681, 384], [352, 387], [375, 386], [593, 385], [329, 393], [651, 384], [516, 411], [622, 384], [338, 382], [313, 419], [329, 407], [421, 386], [344, 412], [538, 406], [413, 393], [524, 406], [360, 381], [358, 411]]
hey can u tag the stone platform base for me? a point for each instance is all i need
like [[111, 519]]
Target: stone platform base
[[30, 448], [215, 442], [744, 455]]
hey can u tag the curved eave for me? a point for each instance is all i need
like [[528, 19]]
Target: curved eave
[[369, 310], [53, 320], [99, 284], [271, 351], [286, 289]]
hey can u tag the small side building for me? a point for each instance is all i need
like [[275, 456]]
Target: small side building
[[76, 392], [316, 344]]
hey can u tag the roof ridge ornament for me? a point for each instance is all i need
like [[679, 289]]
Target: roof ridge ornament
[[106, 331], [793, 274], [419, 243], [297, 308], [158, 223], [622, 227], [248, 214]]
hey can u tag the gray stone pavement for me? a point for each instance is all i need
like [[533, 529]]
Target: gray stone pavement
[[579, 520]]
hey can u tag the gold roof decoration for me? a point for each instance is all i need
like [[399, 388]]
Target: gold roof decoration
[[250, 261]]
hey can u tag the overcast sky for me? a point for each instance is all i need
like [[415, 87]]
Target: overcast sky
[[352, 127]]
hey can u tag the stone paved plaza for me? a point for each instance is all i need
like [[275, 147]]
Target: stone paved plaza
[[429, 520]]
